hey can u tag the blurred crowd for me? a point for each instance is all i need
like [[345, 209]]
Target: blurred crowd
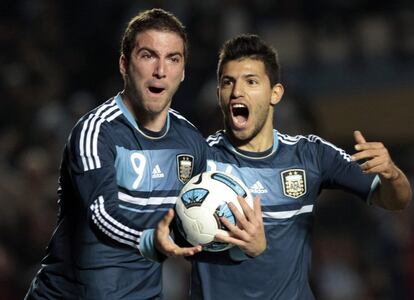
[[60, 58]]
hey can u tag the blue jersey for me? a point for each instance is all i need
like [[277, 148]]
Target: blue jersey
[[116, 181], [288, 178]]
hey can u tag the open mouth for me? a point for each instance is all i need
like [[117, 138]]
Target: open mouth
[[155, 90], [240, 114]]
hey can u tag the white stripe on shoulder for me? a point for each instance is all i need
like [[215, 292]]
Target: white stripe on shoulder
[[179, 116], [291, 140], [82, 142], [88, 144], [215, 138]]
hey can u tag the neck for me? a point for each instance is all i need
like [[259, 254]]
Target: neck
[[259, 143], [151, 121]]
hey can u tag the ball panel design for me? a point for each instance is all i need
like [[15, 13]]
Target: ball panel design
[[194, 197], [201, 203]]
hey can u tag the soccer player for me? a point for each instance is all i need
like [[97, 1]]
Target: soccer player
[[123, 165], [288, 172]]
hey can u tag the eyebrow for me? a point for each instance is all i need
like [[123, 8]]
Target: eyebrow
[[245, 76], [152, 51], [250, 75]]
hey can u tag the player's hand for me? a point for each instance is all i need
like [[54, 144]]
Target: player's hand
[[248, 234], [376, 156], [165, 244]]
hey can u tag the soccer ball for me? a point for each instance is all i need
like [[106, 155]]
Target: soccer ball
[[202, 201]]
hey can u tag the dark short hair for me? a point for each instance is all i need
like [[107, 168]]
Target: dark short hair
[[250, 46], [155, 18]]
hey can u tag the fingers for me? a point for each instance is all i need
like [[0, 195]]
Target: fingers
[[375, 165], [237, 236], [249, 212], [249, 216], [248, 223], [165, 244], [380, 165], [369, 146], [246, 214], [257, 207], [369, 150], [249, 233], [362, 144], [184, 251], [229, 239], [169, 216], [359, 138], [233, 229], [170, 249], [236, 212], [376, 156]]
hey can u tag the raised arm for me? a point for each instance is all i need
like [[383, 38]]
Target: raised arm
[[394, 192]]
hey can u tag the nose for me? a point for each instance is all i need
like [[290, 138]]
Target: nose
[[160, 69], [237, 90]]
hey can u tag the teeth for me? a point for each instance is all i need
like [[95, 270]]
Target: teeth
[[238, 105]]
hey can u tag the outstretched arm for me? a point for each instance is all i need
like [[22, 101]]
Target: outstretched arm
[[394, 192]]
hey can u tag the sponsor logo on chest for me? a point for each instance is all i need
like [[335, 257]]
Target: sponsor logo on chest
[[258, 188]]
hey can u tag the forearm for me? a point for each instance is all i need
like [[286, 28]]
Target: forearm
[[393, 193]]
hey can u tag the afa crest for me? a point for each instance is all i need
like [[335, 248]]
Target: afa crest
[[294, 183], [185, 165]]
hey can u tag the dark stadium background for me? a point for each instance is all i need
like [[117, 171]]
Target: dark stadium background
[[347, 64]]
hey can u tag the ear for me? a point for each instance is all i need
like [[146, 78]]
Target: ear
[[277, 93], [123, 65], [218, 95], [183, 77]]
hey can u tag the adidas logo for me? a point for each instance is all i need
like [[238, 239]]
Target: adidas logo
[[258, 188], [157, 173]]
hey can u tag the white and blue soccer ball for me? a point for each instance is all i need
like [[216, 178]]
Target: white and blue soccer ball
[[202, 201]]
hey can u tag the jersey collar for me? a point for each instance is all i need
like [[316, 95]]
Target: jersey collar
[[254, 155]]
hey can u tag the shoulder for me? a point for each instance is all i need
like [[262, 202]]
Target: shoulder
[[106, 112], [216, 139], [310, 140], [298, 139], [179, 120], [182, 125], [313, 143], [95, 122]]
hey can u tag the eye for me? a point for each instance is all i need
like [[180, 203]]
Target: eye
[[146, 55], [226, 82], [175, 59], [252, 81]]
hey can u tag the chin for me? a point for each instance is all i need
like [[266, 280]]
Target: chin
[[157, 106], [240, 135]]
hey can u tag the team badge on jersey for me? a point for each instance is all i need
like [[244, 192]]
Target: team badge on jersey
[[294, 183], [185, 167]]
